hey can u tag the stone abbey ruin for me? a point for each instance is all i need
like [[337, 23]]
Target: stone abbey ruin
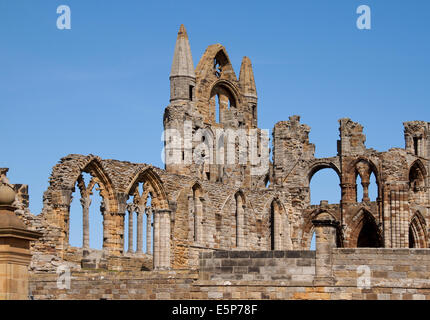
[[224, 230]]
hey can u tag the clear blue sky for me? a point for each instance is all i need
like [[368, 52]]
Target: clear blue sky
[[102, 86]]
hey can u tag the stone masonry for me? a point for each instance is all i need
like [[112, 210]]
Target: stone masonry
[[223, 221]]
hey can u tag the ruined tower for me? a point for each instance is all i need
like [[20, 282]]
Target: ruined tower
[[212, 118]]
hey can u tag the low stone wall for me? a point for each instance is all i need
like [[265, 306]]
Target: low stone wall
[[96, 285], [385, 268], [393, 274], [295, 266]]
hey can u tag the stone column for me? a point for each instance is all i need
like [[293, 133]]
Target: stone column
[[365, 185], [161, 239], [148, 230], [349, 192], [130, 209], [86, 202], [140, 212], [325, 231], [15, 255]]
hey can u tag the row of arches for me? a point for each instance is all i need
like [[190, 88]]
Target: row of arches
[[362, 176], [366, 233], [104, 217], [233, 226]]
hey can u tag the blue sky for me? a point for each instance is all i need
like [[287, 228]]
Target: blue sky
[[102, 86]]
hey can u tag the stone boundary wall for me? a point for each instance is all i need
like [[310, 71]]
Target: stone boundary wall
[[393, 268], [394, 274], [294, 266]]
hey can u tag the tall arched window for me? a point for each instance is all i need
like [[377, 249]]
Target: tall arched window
[[240, 217], [276, 225], [138, 225], [366, 183], [198, 214], [369, 236], [221, 101], [86, 216], [324, 185], [417, 232], [417, 176]]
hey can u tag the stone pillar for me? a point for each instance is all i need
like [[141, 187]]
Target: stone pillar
[[161, 239], [130, 209], [113, 232], [365, 185], [15, 255], [156, 253], [86, 202], [325, 231], [140, 212], [148, 231], [349, 192]]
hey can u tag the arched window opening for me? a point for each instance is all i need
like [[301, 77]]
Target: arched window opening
[[417, 232], [366, 183], [239, 217], [324, 185], [222, 101], [217, 109], [138, 224], [86, 215], [417, 183], [313, 242], [266, 182], [197, 216], [369, 235], [272, 226], [412, 243], [276, 226], [359, 186], [373, 188]]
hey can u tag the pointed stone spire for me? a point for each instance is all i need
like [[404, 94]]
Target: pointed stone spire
[[182, 60], [246, 78]]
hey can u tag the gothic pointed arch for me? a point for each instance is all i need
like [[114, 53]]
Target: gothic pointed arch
[[418, 237], [153, 184], [279, 226], [365, 231]]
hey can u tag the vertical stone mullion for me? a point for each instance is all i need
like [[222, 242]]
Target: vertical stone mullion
[[86, 202], [148, 232], [130, 229], [139, 231]]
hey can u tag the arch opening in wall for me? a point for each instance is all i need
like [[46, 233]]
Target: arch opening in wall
[[197, 214], [222, 101], [313, 241], [279, 227], [417, 232], [239, 220], [138, 224], [146, 194], [88, 189], [324, 184], [365, 176], [369, 236], [372, 189], [417, 182]]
